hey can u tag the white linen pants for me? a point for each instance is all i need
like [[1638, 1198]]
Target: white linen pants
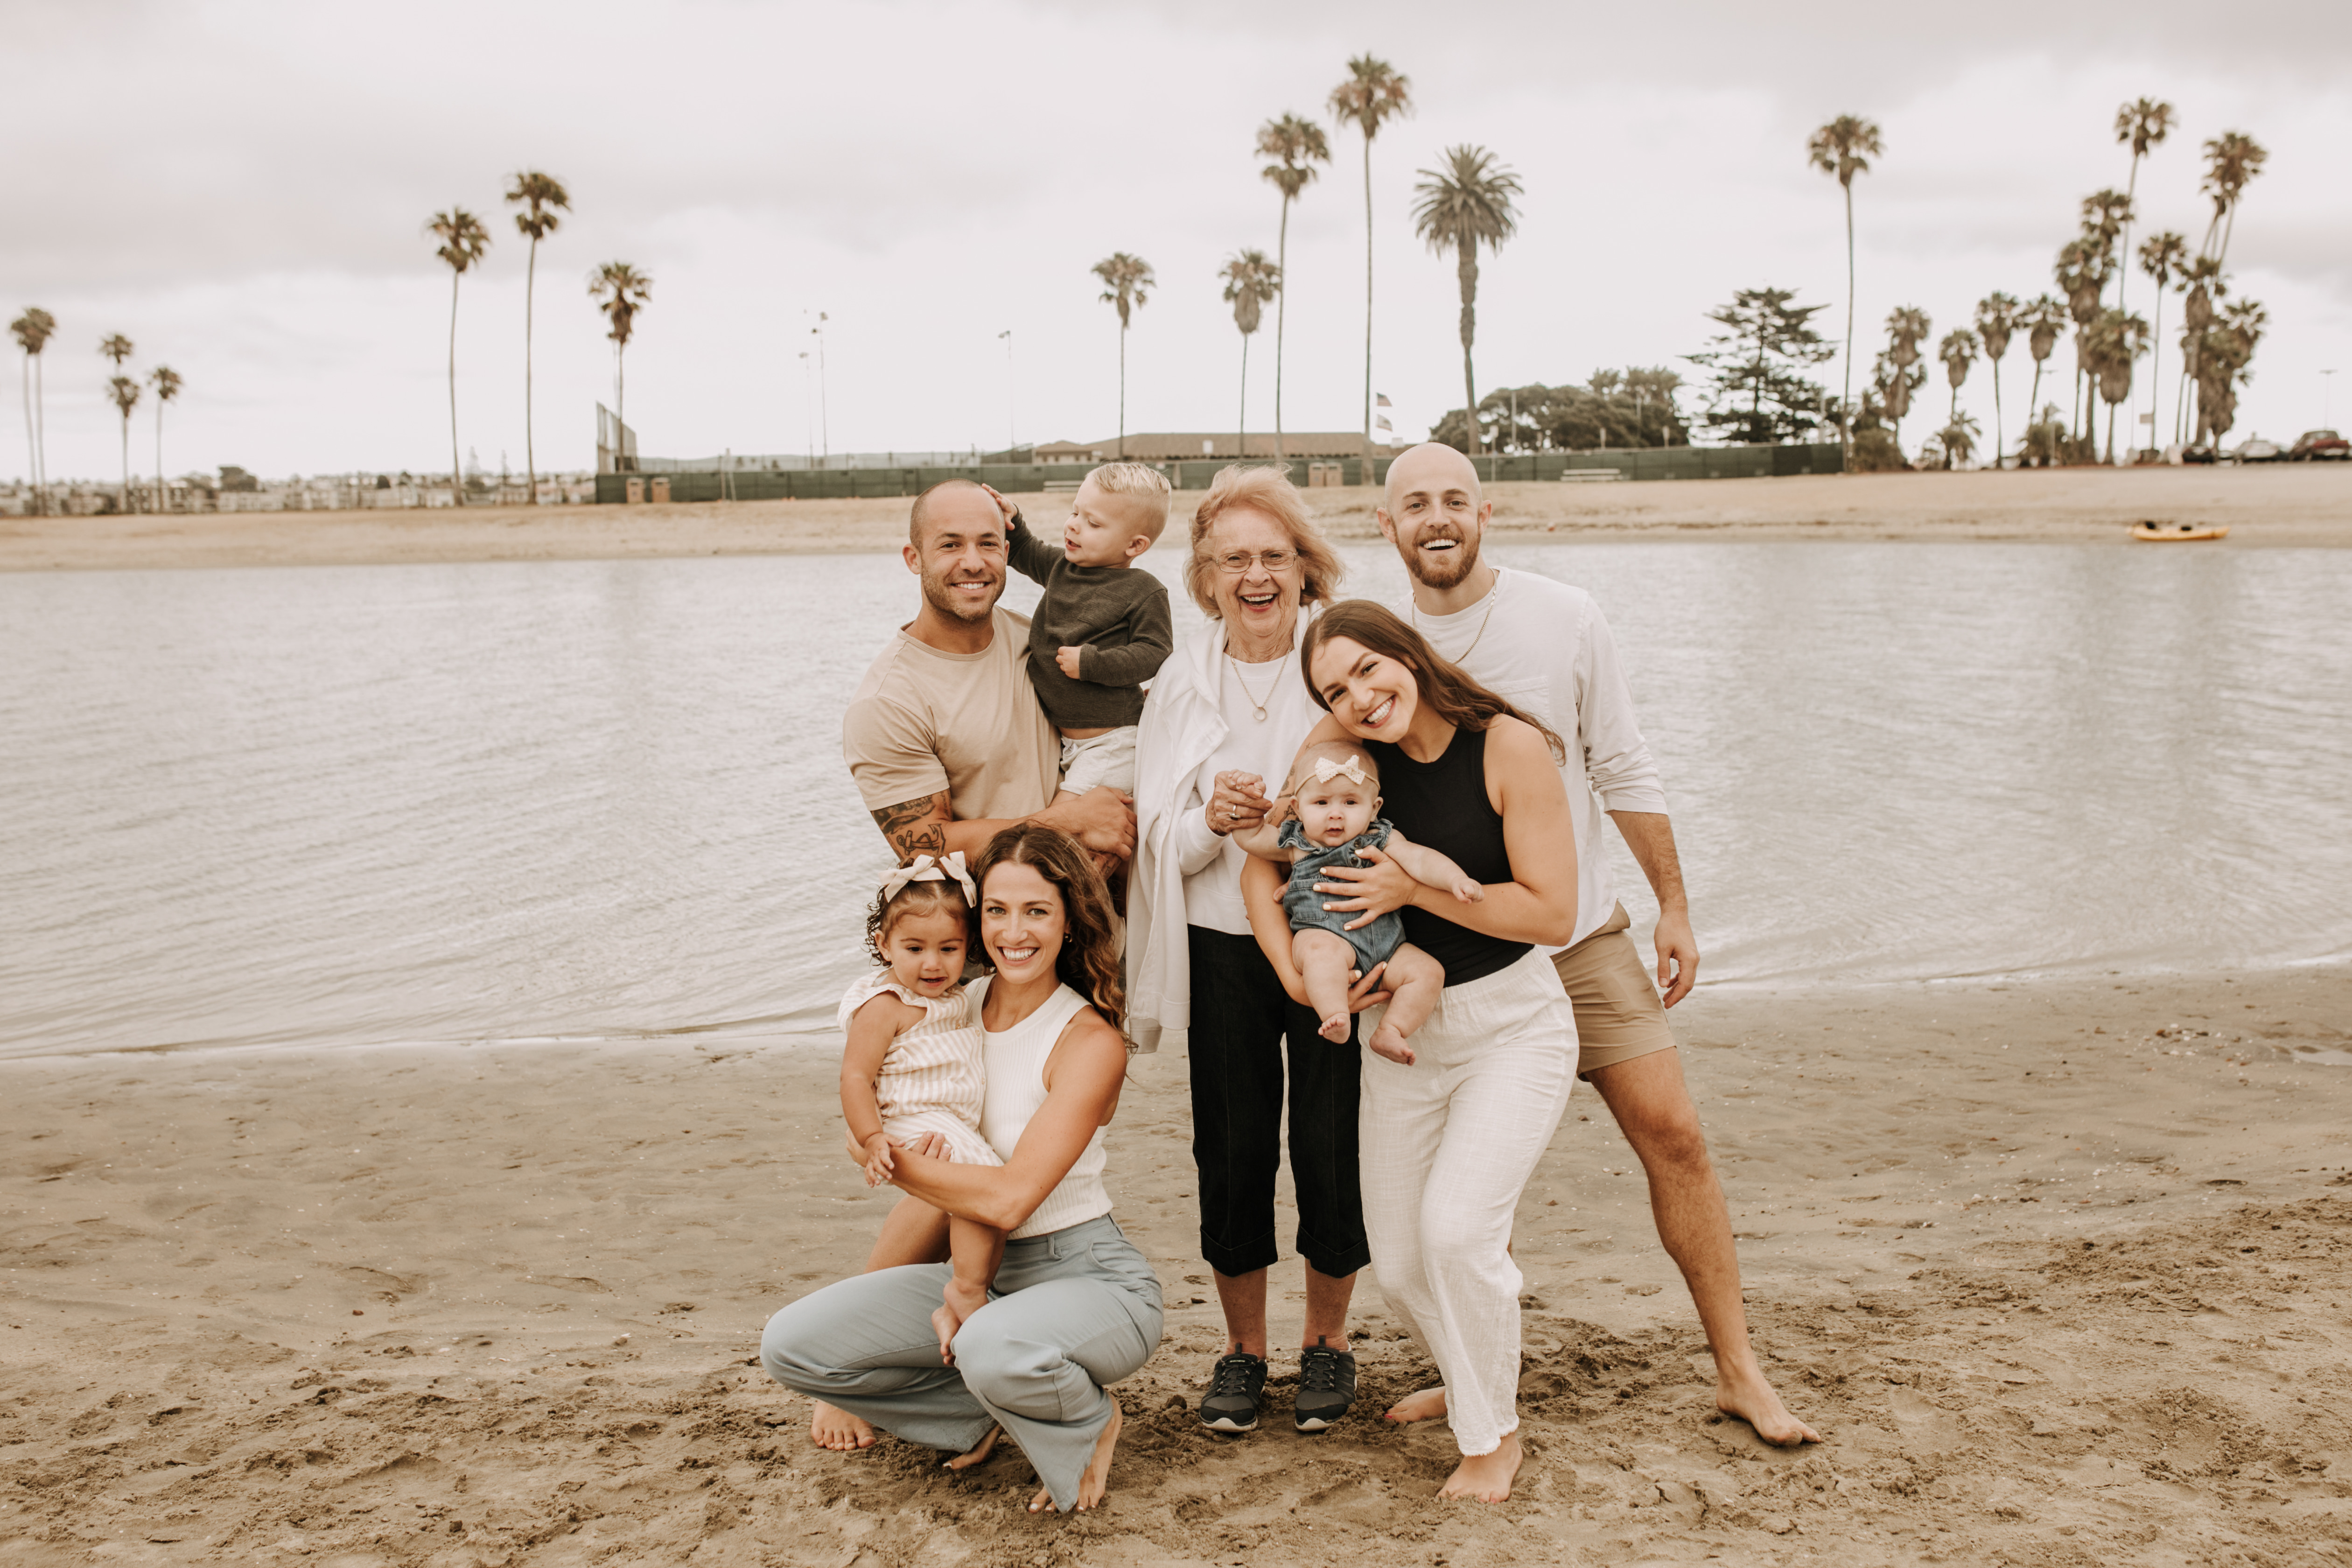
[[1448, 1145]]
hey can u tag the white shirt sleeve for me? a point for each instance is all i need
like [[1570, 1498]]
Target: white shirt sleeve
[[1616, 759], [1196, 847]]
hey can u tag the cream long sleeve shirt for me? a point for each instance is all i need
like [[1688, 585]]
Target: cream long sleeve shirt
[[1545, 647]]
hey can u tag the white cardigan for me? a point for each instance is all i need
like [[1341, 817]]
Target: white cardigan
[[1181, 728]]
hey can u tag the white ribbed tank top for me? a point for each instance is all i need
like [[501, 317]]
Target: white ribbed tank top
[[1015, 1061]]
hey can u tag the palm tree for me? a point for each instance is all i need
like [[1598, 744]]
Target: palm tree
[[2117, 341], [463, 240], [2043, 319], [1906, 327], [1126, 281], [2201, 284], [114, 346], [125, 392], [2140, 125], [620, 290], [1372, 94], [1298, 145], [2232, 159], [2080, 271], [1997, 318], [167, 385], [1959, 351], [1463, 206], [541, 197], [1844, 147], [2160, 255], [1250, 281], [33, 331]]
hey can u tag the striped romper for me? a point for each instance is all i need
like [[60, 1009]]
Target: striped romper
[[931, 1078]]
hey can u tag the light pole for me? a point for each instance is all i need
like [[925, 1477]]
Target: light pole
[[824, 415], [1011, 442], [808, 404]]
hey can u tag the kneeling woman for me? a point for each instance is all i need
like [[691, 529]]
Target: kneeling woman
[[1076, 1305]]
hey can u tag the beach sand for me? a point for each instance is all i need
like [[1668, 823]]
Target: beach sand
[[2298, 504], [2061, 1269]]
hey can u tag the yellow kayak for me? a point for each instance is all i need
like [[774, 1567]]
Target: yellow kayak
[[2162, 533]]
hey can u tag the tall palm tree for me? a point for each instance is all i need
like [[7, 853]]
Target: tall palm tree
[[1906, 327], [114, 346], [1463, 206], [620, 291], [1127, 281], [1250, 281], [1997, 318], [2201, 284], [2140, 125], [167, 383], [1844, 147], [463, 240], [1298, 145], [2118, 339], [1959, 351], [1373, 94], [2043, 318], [2081, 272], [32, 331], [541, 197], [2160, 255], [125, 392], [2232, 159]]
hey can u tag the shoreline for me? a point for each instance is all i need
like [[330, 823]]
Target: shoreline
[[2058, 1266], [2298, 506]]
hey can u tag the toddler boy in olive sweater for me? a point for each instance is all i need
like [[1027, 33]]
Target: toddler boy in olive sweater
[[1103, 629]]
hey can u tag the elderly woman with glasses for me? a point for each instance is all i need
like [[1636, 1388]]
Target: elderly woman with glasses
[[1226, 717]]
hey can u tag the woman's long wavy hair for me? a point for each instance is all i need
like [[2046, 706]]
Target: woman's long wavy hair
[[1088, 963], [1446, 690]]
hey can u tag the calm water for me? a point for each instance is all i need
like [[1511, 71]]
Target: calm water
[[478, 802]]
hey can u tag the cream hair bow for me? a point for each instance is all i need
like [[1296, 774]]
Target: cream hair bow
[[924, 868], [1326, 770]]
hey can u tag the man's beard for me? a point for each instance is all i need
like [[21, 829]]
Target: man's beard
[[1445, 571], [935, 593]]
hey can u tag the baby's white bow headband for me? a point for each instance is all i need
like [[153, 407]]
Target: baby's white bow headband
[[1326, 770], [924, 868]]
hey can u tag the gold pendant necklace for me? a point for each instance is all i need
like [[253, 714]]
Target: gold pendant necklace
[[1253, 697]]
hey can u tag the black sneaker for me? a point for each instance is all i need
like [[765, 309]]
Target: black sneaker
[[1326, 1386], [1235, 1389]]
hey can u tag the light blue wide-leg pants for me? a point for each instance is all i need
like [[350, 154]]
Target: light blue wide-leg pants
[[1071, 1312]]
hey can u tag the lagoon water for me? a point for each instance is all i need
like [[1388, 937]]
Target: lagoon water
[[601, 799]]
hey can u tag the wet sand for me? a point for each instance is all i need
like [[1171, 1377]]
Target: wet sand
[[2061, 1269], [2284, 505]]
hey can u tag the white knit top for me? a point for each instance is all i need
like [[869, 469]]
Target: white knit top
[[935, 1065], [1016, 1088]]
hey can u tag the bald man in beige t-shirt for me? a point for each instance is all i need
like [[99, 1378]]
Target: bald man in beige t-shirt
[[944, 736]]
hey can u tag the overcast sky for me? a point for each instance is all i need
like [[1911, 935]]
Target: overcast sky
[[242, 189]]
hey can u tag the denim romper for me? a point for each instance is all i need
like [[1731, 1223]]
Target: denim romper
[[1374, 944]]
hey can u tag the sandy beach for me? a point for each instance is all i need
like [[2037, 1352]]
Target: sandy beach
[[2283, 505], [2060, 1270]]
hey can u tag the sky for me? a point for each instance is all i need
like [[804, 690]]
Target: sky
[[242, 189]]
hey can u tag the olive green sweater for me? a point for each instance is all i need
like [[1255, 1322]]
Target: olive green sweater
[[1119, 615]]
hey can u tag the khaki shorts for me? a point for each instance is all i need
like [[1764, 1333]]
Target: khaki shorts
[[1619, 1015]]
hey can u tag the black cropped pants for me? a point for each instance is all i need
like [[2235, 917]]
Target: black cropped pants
[[1241, 1018]]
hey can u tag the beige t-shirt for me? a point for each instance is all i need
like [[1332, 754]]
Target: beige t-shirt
[[924, 720]]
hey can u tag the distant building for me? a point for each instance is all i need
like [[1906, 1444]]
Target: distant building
[[1193, 446]]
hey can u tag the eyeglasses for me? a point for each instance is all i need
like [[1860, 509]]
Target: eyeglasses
[[1234, 562]]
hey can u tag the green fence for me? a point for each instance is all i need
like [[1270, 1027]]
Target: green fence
[[1632, 463]]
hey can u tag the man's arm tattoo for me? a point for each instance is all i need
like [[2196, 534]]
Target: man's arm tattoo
[[915, 827]]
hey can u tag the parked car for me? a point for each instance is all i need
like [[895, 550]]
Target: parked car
[[2258, 450], [2198, 454], [2323, 445]]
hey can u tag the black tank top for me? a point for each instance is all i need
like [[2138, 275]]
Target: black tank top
[[1443, 804]]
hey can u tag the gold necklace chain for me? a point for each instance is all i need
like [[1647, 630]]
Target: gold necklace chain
[[1252, 696], [1494, 597]]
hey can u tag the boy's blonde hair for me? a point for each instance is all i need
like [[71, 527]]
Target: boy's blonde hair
[[1145, 486]]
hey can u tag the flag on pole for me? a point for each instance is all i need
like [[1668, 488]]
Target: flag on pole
[[1380, 421]]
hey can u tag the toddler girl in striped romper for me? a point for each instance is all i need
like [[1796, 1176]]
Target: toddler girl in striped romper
[[913, 1066]]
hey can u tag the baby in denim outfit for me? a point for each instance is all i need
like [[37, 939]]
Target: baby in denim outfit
[[1329, 814]]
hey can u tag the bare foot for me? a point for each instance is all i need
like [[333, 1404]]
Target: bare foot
[[962, 1300], [979, 1455], [1097, 1481], [1486, 1476], [1389, 1043], [1753, 1401], [839, 1430], [1426, 1405], [1335, 1027]]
